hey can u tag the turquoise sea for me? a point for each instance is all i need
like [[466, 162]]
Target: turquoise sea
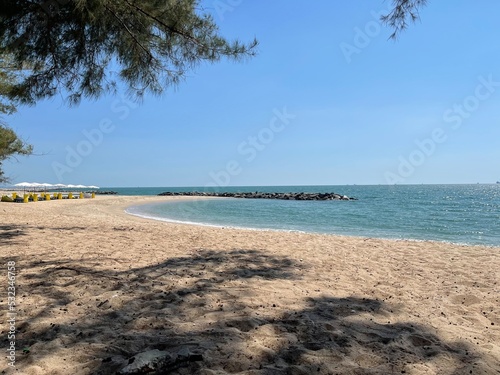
[[465, 214]]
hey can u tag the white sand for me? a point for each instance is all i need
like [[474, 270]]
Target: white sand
[[96, 286]]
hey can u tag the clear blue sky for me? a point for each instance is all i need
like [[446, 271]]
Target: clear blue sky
[[328, 100]]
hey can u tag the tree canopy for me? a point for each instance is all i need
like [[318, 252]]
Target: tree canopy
[[11, 145], [74, 45], [8, 77]]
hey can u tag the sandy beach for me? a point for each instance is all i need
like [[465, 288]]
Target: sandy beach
[[96, 286]]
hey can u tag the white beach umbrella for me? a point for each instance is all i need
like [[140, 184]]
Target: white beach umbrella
[[60, 186], [24, 185], [80, 186], [71, 186], [93, 187]]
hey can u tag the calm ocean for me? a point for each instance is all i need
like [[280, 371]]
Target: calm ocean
[[466, 214]]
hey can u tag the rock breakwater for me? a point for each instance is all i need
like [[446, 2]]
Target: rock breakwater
[[260, 195]]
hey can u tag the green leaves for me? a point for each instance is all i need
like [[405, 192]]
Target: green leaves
[[11, 145], [403, 12], [70, 45]]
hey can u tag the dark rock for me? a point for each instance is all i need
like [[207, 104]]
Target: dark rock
[[256, 195]]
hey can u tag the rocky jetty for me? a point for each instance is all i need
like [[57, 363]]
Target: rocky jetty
[[106, 192], [260, 195]]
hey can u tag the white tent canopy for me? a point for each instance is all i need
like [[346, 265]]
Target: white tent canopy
[[24, 184], [81, 186], [27, 185], [45, 185]]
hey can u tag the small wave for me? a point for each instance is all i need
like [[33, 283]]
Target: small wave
[[168, 220], [381, 237]]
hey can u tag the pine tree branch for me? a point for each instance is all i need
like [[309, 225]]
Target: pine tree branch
[[169, 28], [130, 33]]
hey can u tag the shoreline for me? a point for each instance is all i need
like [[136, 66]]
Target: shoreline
[[156, 199], [210, 225], [96, 286]]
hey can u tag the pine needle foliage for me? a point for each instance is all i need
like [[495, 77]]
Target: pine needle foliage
[[403, 13], [10, 146], [73, 46]]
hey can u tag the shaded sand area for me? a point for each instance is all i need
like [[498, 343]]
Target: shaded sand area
[[96, 286]]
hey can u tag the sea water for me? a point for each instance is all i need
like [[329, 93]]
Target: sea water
[[466, 214]]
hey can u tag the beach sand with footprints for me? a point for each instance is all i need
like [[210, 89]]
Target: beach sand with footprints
[[96, 287]]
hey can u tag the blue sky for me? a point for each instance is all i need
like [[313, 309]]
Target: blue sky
[[329, 100]]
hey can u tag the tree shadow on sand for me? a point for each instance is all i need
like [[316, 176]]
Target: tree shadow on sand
[[209, 304], [9, 234]]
